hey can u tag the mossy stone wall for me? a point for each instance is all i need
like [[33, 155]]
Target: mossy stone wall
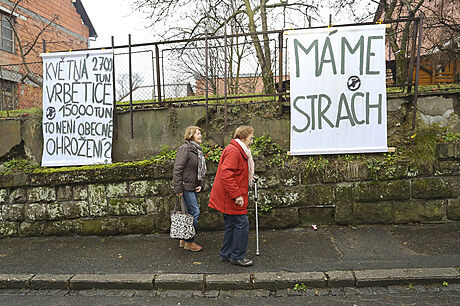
[[137, 198]]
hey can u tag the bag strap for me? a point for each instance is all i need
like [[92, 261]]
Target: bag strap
[[182, 204], [184, 209]]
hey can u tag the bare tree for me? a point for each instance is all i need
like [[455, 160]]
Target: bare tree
[[249, 16], [441, 29], [399, 38], [398, 34], [27, 44], [123, 84]]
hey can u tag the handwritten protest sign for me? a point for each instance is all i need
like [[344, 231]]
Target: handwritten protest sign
[[338, 93], [77, 108]]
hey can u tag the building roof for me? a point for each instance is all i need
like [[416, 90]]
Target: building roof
[[84, 16]]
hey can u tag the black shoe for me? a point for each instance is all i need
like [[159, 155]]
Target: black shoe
[[242, 262], [224, 259]]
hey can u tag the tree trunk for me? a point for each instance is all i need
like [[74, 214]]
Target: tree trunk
[[401, 68], [267, 74], [267, 77]]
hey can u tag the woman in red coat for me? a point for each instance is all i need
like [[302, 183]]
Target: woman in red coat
[[229, 195]]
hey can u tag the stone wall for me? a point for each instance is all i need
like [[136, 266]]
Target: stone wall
[[136, 198]]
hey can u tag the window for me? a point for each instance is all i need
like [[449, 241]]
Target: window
[[8, 95], [6, 34]]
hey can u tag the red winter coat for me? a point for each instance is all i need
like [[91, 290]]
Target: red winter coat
[[231, 181]]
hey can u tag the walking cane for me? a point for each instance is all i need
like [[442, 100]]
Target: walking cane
[[257, 218]]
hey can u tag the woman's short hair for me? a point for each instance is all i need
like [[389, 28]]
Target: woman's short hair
[[190, 132], [242, 132]]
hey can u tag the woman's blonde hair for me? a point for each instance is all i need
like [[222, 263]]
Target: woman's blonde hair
[[190, 132], [242, 132]]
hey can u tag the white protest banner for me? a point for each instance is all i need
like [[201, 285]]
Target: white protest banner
[[337, 88], [77, 108]]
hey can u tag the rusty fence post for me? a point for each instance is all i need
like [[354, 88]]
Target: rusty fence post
[[157, 61], [130, 88], [225, 77], [114, 92], [206, 82], [410, 70], [2, 106], [280, 68], [417, 69]]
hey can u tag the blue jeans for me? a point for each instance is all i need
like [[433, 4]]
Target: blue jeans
[[235, 237], [191, 203]]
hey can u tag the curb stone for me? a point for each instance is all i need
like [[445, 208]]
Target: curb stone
[[15, 281], [340, 279], [179, 281], [277, 282], [112, 281], [238, 281], [388, 277], [50, 281], [285, 280]]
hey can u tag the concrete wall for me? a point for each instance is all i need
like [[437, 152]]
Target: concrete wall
[[10, 135], [130, 199], [154, 129]]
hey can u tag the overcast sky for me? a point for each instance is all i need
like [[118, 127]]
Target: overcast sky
[[115, 17]]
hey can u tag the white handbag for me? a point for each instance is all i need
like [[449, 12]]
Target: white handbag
[[181, 222]]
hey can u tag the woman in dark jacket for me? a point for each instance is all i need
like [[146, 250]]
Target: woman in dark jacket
[[229, 195], [188, 178]]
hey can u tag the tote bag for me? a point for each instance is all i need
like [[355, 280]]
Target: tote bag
[[181, 222]]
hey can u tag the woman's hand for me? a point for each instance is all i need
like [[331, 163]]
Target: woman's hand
[[198, 189], [239, 201], [179, 194]]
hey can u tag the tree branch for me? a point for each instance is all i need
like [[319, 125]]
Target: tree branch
[[55, 17]]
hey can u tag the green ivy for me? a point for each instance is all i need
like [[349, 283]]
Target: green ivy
[[18, 165], [212, 153], [265, 208], [264, 146], [450, 137], [166, 153], [374, 164], [420, 149], [316, 163]]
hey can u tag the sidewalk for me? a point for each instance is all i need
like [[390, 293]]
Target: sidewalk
[[329, 257]]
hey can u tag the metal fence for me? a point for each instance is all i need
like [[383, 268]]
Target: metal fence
[[20, 86], [219, 69]]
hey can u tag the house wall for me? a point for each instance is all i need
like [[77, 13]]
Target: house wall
[[430, 75], [66, 32], [241, 85], [253, 84], [436, 67]]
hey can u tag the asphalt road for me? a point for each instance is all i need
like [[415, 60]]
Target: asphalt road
[[371, 298]]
